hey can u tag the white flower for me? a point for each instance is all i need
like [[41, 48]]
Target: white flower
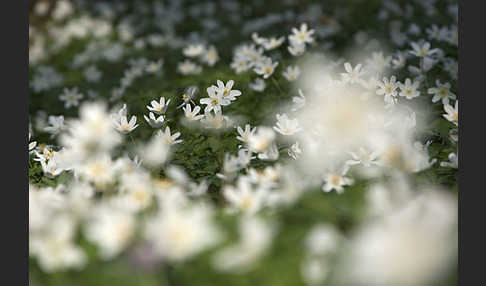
[[56, 250], [322, 239], [56, 125], [244, 157], [261, 139], [299, 101], [295, 150], [214, 121], [187, 68], [159, 107], [378, 62], [352, 75], [210, 56], [255, 238], [198, 190], [291, 73], [168, 138], [258, 85], [364, 157], [154, 67], [296, 49], [71, 97], [98, 170], [270, 154], [413, 245], [452, 113], [423, 50], [52, 167], [335, 180], [214, 101], [193, 50], [111, 230], [302, 35], [47, 153], [286, 126], [192, 114], [92, 74], [231, 165], [409, 89], [155, 152], [124, 126], [244, 197], [388, 88], [46, 78], [399, 62], [180, 233], [136, 191], [267, 178], [226, 90], [265, 67], [414, 29], [153, 121], [441, 92], [92, 134], [244, 135], [435, 33], [31, 144], [451, 66], [273, 43], [314, 271], [452, 163], [240, 65], [257, 39]]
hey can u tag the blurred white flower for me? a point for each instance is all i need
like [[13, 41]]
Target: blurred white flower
[[292, 73], [255, 238], [167, 137], [352, 75], [179, 233], [422, 50], [452, 163], [71, 97], [286, 126], [193, 50], [92, 74], [336, 180], [273, 43], [188, 68], [110, 229], [245, 197], [265, 67], [155, 152], [261, 139], [258, 85], [56, 125], [244, 135]]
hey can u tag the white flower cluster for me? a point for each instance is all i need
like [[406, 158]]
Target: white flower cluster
[[324, 130], [206, 55]]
